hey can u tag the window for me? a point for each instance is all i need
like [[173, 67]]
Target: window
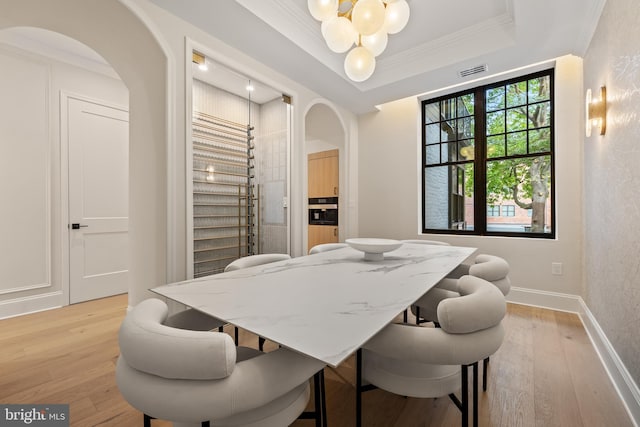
[[508, 210], [488, 159], [493, 210]]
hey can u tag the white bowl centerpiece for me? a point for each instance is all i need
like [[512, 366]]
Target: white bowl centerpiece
[[373, 248]]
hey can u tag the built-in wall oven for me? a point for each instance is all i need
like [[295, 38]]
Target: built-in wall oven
[[323, 211]]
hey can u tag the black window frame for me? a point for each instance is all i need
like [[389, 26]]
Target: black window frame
[[480, 159]]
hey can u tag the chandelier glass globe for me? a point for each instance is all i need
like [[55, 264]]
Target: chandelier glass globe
[[368, 16], [365, 23], [376, 43], [339, 34], [323, 9], [396, 16], [359, 64]]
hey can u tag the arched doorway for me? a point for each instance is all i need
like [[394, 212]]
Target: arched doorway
[[73, 132], [325, 144], [150, 124]]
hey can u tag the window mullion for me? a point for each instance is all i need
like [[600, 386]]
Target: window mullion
[[480, 199]]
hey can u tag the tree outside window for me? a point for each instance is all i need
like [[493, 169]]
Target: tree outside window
[[488, 147]]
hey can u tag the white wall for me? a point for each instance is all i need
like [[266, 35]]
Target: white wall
[[157, 117], [390, 176], [35, 154], [180, 35], [92, 22], [25, 157]]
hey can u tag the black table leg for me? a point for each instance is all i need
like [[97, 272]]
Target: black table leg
[[359, 388]]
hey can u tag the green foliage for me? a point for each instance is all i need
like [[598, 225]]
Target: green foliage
[[517, 128]]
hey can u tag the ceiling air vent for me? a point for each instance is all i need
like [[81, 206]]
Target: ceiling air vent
[[473, 70]]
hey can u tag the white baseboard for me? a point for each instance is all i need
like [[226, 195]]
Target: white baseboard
[[622, 381], [25, 305], [546, 299]]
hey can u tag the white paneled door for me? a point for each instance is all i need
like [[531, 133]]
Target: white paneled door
[[98, 141]]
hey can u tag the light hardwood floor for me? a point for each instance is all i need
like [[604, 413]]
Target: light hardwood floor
[[545, 374]]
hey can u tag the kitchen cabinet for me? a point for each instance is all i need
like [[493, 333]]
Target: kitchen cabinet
[[323, 177], [322, 234]]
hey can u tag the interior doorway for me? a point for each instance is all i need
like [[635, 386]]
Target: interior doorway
[[97, 138], [238, 171], [75, 112], [326, 189]]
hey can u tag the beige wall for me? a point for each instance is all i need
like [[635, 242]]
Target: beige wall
[[612, 180], [389, 187]]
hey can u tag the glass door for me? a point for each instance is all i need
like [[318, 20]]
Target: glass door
[[240, 172]]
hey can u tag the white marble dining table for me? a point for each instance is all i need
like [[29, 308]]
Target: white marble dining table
[[325, 305]]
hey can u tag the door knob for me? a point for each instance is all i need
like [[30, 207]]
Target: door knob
[[76, 226]]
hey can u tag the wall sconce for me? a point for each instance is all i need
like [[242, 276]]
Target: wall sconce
[[596, 111]]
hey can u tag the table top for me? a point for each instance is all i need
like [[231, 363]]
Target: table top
[[325, 305]]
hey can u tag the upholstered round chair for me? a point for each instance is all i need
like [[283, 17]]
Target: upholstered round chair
[[194, 320], [253, 260], [432, 362], [325, 247], [405, 316], [491, 268], [425, 242], [196, 378]]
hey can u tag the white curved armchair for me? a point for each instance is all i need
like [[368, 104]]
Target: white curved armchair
[[491, 268], [194, 377], [324, 247], [194, 320], [431, 362], [426, 242], [405, 317], [252, 261]]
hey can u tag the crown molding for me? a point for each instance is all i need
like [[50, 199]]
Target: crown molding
[[592, 17], [482, 38], [299, 27]]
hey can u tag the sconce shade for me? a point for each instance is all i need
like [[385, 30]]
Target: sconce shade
[[596, 111]]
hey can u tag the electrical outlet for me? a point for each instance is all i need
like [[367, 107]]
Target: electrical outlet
[[556, 268]]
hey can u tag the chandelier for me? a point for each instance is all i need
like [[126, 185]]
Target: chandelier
[[363, 23]]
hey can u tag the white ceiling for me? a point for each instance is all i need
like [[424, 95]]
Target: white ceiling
[[442, 38]]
